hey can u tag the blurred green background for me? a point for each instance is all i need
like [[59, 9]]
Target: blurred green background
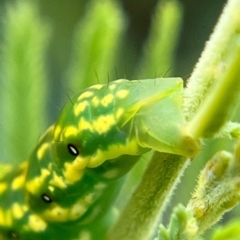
[[58, 28]]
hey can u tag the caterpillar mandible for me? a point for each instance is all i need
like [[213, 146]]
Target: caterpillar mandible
[[71, 179]]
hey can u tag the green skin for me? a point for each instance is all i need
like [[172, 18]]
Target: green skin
[[67, 187], [92, 223]]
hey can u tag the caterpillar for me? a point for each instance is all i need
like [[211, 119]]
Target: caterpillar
[[71, 179], [37, 202]]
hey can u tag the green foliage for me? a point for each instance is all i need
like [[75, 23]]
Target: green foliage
[[24, 83], [158, 56], [230, 231], [182, 225], [96, 44]]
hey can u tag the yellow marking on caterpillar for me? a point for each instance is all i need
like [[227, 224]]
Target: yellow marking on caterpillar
[[119, 113], [70, 131], [41, 151], [85, 235], [23, 166], [100, 186], [95, 101], [114, 151], [57, 131], [122, 93], [72, 172], [3, 187], [112, 86], [36, 223], [111, 173], [56, 214], [17, 210], [5, 217], [35, 184], [86, 94], [84, 125], [44, 172], [89, 198], [104, 123], [25, 208], [49, 167], [106, 100], [51, 189], [78, 210], [120, 80], [58, 181], [60, 214], [18, 182], [5, 169], [97, 86], [80, 107]]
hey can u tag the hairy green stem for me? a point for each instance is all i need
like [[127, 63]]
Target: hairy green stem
[[142, 213], [220, 103], [229, 130], [215, 59], [222, 98], [139, 217]]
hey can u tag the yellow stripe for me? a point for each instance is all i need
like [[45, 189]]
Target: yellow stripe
[[58, 181], [104, 123], [83, 124], [17, 210], [41, 151], [122, 93], [57, 131], [18, 182], [5, 218], [70, 131], [80, 107], [106, 100], [36, 223], [3, 187], [86, 94]]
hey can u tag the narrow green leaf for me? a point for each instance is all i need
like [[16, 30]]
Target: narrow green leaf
[[24, 82]]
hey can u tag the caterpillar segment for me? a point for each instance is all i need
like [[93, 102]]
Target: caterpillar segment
[[38, 202]]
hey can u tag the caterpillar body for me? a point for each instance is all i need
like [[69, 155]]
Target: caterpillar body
[[71, 179], [38, 203]]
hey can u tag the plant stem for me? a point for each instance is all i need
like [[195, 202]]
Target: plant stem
[[97, 39], [159, 52], [140, 217], [221, 100], [219, 105], [138, 221], [223, 43]]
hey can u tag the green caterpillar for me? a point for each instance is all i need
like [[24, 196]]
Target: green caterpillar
[[39, 204], [66, 187]]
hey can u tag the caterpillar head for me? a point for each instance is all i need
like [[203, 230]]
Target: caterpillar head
[[123, 117], [91, 128]]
